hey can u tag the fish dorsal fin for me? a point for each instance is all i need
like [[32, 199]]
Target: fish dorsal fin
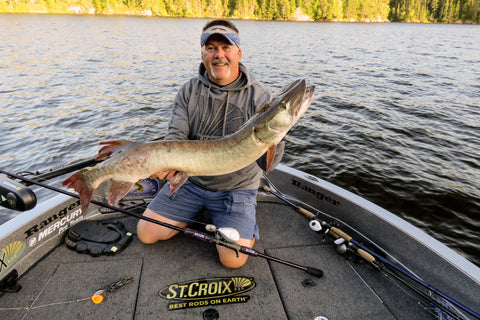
[[112, 147]]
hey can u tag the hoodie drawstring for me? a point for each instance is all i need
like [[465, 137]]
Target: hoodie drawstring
[[202, 121], [226, 114]]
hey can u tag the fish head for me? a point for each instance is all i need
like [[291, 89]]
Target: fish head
[[290, 105], [297, 97]]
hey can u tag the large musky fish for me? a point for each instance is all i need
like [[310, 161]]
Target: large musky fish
[[127, 162]]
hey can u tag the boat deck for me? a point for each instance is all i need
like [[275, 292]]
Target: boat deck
[[60, 285]]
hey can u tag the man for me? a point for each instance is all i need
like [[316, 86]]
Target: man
[[210, 106]]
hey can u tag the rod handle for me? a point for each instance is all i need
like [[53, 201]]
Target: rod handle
[[306, 213], [365, 255], [340, 234], [314, 272], [299, 209]]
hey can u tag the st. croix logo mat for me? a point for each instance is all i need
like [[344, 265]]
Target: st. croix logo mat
[[207, 292]]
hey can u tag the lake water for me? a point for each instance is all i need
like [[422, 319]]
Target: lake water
[[396, 118]]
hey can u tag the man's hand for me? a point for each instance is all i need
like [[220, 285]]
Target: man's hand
[[176, 178], [166, 175]]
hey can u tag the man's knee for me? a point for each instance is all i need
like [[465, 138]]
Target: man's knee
[[234, 262], [149, 232], [229, 258]]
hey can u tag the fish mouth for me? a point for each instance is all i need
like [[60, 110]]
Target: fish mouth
[[297, 97], [307, 100], [309, 92]]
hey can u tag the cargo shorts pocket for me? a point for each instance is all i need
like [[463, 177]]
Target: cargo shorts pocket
[[242, 202]]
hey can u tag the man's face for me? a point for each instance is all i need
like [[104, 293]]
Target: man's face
[[221, 60]]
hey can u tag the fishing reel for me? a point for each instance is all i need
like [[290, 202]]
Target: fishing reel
[[341, 245], [345, 247], [227, 234], [319, 226]]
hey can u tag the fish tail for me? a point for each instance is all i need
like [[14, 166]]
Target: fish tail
[[76, 183]]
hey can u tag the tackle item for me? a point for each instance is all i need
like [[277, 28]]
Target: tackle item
[[98, 237], [99, 295], [138, 196], [16, 196], [146, 188]]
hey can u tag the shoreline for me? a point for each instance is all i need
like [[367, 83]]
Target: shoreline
[[150, 14]]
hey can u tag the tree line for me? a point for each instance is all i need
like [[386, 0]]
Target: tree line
[[439, 11]]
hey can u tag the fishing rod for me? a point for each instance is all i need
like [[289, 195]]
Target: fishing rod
[[53, 173], [37, 176], [369, 255], [219, 240]]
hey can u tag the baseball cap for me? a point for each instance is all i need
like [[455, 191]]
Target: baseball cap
[[230, 34]]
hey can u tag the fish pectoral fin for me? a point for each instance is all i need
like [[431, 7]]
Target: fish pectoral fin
[[177, 181], [110, 147], [118, 190], [270, 156]]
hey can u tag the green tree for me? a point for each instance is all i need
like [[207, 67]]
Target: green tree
[[245, 8], [214, 8], [99, 5], [336, 9], [351, 9], [395, 10]]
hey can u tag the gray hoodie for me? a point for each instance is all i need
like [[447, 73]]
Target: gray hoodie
[[203, 110]]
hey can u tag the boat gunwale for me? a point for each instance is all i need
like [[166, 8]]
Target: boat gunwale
[[448, 254]]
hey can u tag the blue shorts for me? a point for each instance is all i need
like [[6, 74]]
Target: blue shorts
[[235, 209]]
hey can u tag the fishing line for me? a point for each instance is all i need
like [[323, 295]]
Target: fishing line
[[436, 305], [431, 306]]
